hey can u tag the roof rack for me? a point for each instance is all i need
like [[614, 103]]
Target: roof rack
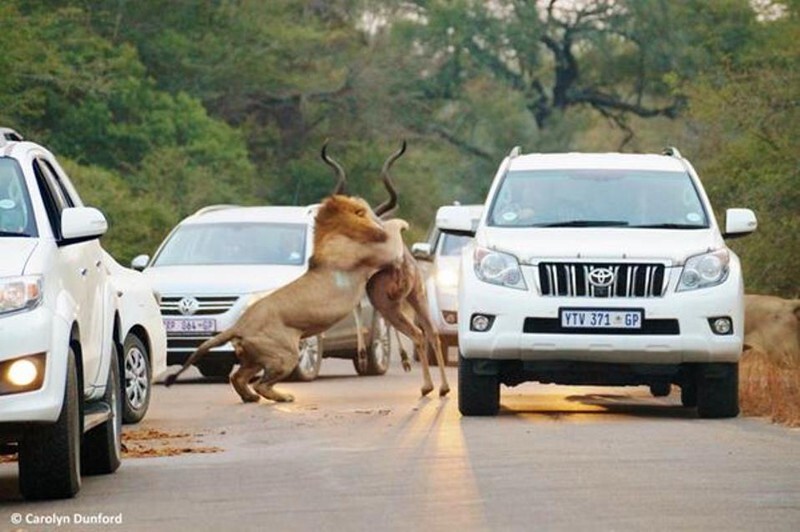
[[672, 151], [212, 208], [516, 150]]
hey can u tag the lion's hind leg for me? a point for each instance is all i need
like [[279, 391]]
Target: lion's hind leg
[[278, 361]]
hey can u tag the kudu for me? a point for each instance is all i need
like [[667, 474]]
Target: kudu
[[397, 291]]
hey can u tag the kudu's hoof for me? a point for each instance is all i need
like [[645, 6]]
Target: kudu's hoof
[[444, 390], [425, 390]]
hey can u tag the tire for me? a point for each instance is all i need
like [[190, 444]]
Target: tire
[[102, 446], [215, 368], [50, 455], [310, 361], [136, 379], [718, 390], [689, 394], [379, 350], [478, 395]]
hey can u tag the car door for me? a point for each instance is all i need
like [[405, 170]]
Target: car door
[[80, 267]]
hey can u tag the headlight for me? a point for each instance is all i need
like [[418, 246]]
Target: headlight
[[708, 269], [20, 293], [498, 268], [447, 278]]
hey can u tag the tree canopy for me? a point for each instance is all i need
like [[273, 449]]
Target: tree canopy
[[162, 107]]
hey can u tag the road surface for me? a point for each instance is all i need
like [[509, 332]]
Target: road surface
[[365, 453]]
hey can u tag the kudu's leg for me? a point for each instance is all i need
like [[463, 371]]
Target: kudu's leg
[[403, 353], [419, 303], [361, 353], [403, 324]]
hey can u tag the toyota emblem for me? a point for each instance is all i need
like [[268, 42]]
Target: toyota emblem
[[188, 306], [601, 277]]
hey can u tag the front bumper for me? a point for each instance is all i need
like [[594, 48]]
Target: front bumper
[[689, 311], [36, 331]]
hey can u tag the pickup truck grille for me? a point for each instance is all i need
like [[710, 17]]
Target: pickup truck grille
[[207, 305], [571, 279]]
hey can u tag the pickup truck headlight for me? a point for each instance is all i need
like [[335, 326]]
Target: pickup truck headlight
[[708, 269], [498, 268], [20, 293]]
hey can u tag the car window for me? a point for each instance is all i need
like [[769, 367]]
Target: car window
[[235, 243], [624, 198], [16, 213], [70, 196], [52, 196]]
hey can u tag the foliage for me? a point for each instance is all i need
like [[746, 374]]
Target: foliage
[[163, 107]]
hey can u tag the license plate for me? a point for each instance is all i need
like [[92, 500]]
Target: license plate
[[601, 319], [190, 325]]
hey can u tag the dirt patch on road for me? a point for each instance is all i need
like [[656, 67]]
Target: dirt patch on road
[[151, 443]]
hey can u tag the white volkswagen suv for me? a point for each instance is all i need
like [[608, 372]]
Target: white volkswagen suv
[[220, 259], [599, 269], [60, 400]]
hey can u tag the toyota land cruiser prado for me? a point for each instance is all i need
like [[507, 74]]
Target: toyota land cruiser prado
[[599, 269]]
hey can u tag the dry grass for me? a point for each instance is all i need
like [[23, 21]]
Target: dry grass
[[769, 388]]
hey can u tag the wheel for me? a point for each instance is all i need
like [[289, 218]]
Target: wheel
[[379, 350], [478, 395], [689, 394], [310, 360], [214, 368], [102, 446], [49, 455], [660, 389], [136, 381], [718, 390]]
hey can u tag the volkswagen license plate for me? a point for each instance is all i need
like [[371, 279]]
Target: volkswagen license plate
[[190, 325], [601, 318]]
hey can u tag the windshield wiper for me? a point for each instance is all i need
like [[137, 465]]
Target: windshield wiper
[[11, 233], [668, 226], [587, 223]]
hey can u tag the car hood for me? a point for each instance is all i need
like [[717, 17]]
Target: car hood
[[226, 279], [531, 245], [14, 254]]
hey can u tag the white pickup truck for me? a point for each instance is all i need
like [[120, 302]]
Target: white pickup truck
[[599, 269]]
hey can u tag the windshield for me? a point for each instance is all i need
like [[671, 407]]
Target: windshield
[[16, 214], [598, 198], [235, 243], [451, 245]]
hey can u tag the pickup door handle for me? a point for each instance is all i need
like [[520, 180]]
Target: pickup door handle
[[83, 272]]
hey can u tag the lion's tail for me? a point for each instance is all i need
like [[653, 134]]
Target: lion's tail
[[205, 347]]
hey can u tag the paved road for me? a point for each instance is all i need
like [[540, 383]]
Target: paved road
[[366, 454]]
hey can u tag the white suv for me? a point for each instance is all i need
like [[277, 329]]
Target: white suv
[[219, 260], [443, 252], [60, 400], [601, 269]]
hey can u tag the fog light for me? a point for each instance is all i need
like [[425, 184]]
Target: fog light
[[481, 322], [450, 317], [721, 326], [22, 372]]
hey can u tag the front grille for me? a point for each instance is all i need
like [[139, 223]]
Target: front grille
[[571, 279], [208, 305]]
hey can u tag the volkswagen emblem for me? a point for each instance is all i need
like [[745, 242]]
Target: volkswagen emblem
[[188, 306], [601, 277]]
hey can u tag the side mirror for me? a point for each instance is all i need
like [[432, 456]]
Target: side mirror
[[739, 222], [422, 251], [456, 220], [139, 262], [79, 224]]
